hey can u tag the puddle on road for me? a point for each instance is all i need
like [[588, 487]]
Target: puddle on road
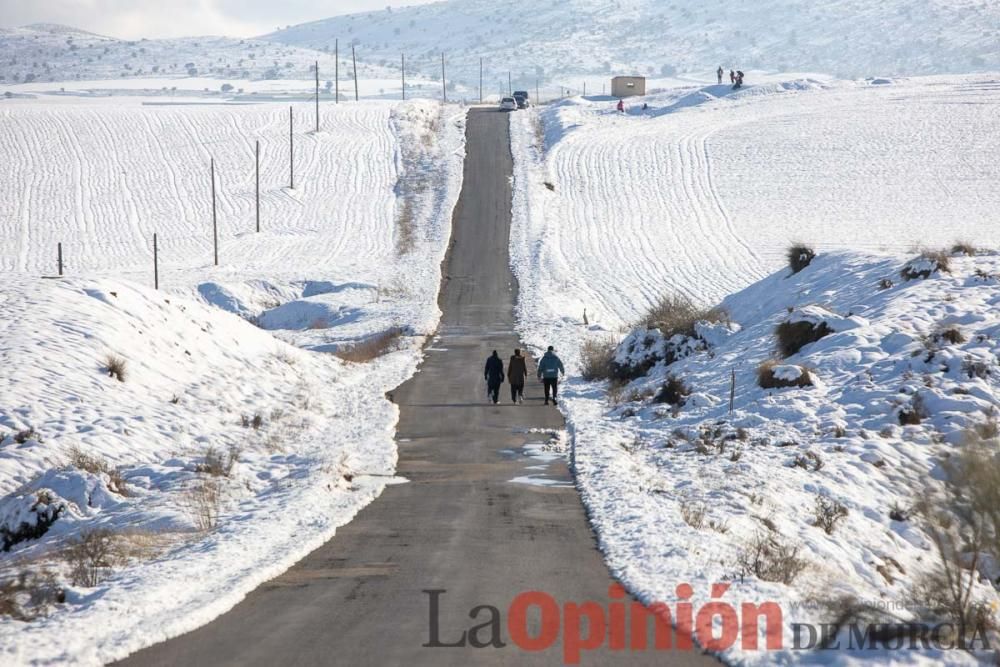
[[545, 453]]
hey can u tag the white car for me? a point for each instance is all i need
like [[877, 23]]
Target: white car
[[508, 104]]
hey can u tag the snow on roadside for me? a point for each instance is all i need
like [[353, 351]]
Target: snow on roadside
[[587, 239], [301, 440]]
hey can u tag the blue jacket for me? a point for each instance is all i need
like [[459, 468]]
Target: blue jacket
[[550, 366]]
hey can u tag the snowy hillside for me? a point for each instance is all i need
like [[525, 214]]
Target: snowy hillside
[[559, 41], [181, 421], [51, 53], [700, 196]]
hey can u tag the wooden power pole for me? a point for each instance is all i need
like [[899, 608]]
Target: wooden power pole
[[215, 225], [317, 96], [480, 80], [257, 182], [336, 71], [291, 150], [402, 72], [444, 86], [354, 60]]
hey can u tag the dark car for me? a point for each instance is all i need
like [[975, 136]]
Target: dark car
[[521, 97]]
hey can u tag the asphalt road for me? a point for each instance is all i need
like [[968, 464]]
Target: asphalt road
[[467, 523]]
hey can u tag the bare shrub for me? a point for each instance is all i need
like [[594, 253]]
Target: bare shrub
[[768, 379], [116, 367], [203, 503], [255, 422], [27, 434], [319, 323], [92, 557], [828, 514], [693, 513], [372, 348], [799, 257], [676, 314], [406, 226], [808, 461], [596, 358], [793, 336], [673, 392], [951, 334], [29, 594], [928, 263], [219, 464], [885, 283], [964, 248], [914, 412], [95, 465], [768, 558], [977, 368]]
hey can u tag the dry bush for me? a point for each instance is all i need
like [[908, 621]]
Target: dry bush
[[27, 434], [255, 422], [693, 513], [319, 324], [203, 503], [808, 461], [674, 392], [92, 557], [964, 248], [538, 129], [95, 465], [372, 348], [793, 336], [800, 256], [766, 378], [29, 594], [885, 283], [596, 358], [219, 464], [938, 260], [767, 558], [829, 513], [406, 226], [977, 368], [676, 314], [914, 412], [950, 333], [116, 367]]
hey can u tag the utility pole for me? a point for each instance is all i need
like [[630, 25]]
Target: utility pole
[[354, 59], [584, 88], [538, 100], [510, 86], [336, 71], [317, 96], [215, 226], [291, 151], [59, 257], [402, 71], [257, 180], [156, 264], [444, 87], [480, 80]]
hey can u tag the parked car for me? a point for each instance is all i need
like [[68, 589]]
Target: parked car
[[508, 104], [521, 97]]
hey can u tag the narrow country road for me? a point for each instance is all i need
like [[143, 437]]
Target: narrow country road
[[479, 518]]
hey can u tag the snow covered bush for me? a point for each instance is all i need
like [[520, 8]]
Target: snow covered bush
[[372, 347], [673, 392], [597, 358], [794, 334], [928, 263], [28, 516], [115, 366], [799, 257], [964, 248], [29, 594], [773, 374], [767, 557], [828, 513]]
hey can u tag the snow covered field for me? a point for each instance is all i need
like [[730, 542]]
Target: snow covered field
[[700, 195], [228, 452]]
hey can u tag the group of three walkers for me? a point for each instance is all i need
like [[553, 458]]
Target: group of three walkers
[[550, 367]]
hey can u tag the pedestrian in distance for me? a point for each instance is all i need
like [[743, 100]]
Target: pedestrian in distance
[[550, 367], [732, 76], [621, 106], [739, 80], [719, 72], [517, 371], [494, 376]]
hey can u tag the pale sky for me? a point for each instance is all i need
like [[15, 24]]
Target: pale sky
[[129, 19]]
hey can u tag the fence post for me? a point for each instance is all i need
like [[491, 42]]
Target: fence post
[[480, 80], [317, 97], [59, 258], [402, 71], [156, 264], [215, 226], [732, 391], [291, 150], [257, 182], [444, 86], [354, 61], [336, 71]]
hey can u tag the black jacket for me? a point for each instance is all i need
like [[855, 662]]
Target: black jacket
[[494, 370]]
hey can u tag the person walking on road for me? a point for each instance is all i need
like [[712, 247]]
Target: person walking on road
[[494, 376], [719, 72], [549, 369], [621, 106], [517, 370]]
